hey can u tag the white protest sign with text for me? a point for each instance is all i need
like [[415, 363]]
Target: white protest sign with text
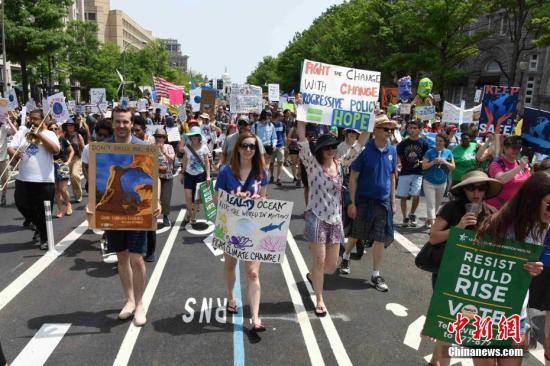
[[245, 99], [58, 107], [451, 113], [273, 92], [173, 134]]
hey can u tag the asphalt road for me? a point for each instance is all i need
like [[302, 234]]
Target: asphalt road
[[63, 311]]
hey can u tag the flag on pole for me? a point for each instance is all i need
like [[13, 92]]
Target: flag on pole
[[162, 87]]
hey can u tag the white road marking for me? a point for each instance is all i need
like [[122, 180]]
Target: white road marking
[[42, 345], [40, 265], [301, 314], [336, 344], [216, 252], [397, 309], [406, 243], [207, 231], [413, 335], [127, 346], [538, 353], [289, 174]]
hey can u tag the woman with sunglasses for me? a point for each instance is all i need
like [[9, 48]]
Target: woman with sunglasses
[[323, 217], [510, 171], [165, 161], [62, 172], [524, 218], [466, 211], [245, 176]]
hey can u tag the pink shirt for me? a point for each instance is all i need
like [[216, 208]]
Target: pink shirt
[[509, 189]]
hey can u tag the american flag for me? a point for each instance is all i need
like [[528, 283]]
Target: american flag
[[162, 86]]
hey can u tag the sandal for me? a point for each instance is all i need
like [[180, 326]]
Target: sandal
[[320, 311], [231, 309], [258, 328]]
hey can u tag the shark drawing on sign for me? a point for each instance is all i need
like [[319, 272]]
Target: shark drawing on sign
[[272, 227]]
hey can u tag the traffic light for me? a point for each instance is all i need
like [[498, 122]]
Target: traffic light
[[211, 83]]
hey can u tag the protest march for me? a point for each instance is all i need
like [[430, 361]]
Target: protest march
[[341, 207]]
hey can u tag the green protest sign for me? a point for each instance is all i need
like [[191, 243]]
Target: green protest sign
[[482, 287], [207, 198]]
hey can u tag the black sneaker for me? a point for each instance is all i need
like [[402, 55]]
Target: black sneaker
[[360, 248], [406, 221], [379, 283], [413, 220], [44, 246], [36, 237], [27, 224], [344, 266], [166, 221]]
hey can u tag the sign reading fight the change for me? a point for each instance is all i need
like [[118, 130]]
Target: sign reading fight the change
[[252, 230], [338, 96], [499, 108], [451, 114], [245, 99], [480, 280]]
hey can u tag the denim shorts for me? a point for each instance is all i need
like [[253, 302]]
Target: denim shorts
[[132, 241], [409, 185]]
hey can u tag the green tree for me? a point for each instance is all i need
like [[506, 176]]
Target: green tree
[[542, 19], [265, 73], [33, 29]]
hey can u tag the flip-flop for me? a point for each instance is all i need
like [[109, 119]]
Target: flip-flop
[[231, 309], [322, 313], [259, 328]]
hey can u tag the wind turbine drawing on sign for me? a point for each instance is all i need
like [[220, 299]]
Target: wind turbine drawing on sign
[[122, 83]]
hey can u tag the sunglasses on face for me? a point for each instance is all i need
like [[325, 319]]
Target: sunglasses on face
[[476, 187], [248, 147], [386, 129]]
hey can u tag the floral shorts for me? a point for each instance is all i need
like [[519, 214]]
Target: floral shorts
[[319, 232]]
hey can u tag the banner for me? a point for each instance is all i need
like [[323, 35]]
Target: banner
[[338, 96], [245, 98], [451, 114], [252, 230], [535, 130], [208, 102], [58, 107], [425, 112], [207, 197], [175, 96], [195, 99], [499, 109], [123, 186], [485, 280], [12, 100], [273, 92], [389, 96]]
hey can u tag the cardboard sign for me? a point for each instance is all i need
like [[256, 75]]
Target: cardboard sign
[[208, 102], [58, 107], [273, 92], [338, 96], [499, 109], [123, 186], [252, 230], [4, 110], [487, 280], [389, 96], [405, 109], [451, 114], [535, 130], [245, 98], [12, 100], [425, 112], [173, 134], [195, 99]]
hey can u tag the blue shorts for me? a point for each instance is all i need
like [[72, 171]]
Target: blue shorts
[[132, 241], [409, 185]]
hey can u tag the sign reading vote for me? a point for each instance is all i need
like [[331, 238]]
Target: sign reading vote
[[252, 230], [484, 282], [338, 96]]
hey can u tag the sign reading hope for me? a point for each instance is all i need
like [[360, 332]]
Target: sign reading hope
[[338, 96]]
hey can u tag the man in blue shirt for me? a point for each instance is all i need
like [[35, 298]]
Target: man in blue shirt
[[130, 246], [265, 131], [278, 155], [372, 191]]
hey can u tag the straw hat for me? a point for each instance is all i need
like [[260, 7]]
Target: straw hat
[[205, 116], [382, 119], [477, 176]]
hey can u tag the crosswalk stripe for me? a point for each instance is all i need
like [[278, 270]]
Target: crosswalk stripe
[[42, 345]]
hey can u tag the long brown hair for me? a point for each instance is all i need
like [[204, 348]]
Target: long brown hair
[[258, 166], [521, 214]]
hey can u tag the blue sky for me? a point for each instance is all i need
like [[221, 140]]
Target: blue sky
[[216, 34]]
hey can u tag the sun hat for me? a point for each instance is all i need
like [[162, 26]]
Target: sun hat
[[195, 130], [160, 132], [382, 119], [205, 116], [477, 176], [325, 140]]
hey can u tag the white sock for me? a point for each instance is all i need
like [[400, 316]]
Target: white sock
[[346, 256], [375, 273]]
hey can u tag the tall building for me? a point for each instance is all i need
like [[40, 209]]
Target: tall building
[[532, 71], [177, 60], [75, 11]]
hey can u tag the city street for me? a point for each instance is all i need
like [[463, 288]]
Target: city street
[[63, 311]]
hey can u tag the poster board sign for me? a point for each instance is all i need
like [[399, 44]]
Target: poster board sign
[[389, 96], [338, 96], [425, 112], [535, 130], [175, 96], [123, 186], [245, 98], [273, 92], [4, 109], [207, 198], [195, 99], [58, 107], [173, 134], [250, 229], [97, 95], [499, 109], [150, 130], [71, 104], [459, 290], [208, 102], [405, 109], [290, 106], [451, 114], [163, 108], [182, 113], [477, 96], [141, 105], [12, 100]]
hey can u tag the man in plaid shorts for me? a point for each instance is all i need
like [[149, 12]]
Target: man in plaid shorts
[[372, 191]]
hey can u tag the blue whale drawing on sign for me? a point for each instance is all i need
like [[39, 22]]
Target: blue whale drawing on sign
[[272, 227]]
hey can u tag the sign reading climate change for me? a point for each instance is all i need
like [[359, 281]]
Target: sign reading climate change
[[338, 96], [252, 230], [484, 280]]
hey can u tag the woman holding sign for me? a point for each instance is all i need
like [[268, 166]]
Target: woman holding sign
[[323, 228], [245, 176], [524, 218]]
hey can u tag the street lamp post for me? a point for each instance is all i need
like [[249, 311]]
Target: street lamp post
[[523, 66], [5, 76]]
